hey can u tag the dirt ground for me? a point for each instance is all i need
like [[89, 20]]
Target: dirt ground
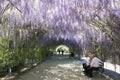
[[59, 67]]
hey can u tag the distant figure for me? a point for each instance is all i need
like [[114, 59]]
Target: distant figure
[[62, 52], [91, 65], [58, 51]]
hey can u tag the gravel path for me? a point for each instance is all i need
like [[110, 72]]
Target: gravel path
[[58, 68]]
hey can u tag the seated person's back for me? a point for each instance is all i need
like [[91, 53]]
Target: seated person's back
[[95, 62], [92, 64]]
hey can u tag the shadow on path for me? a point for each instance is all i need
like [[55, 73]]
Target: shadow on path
[[112, 74], [58, 68]]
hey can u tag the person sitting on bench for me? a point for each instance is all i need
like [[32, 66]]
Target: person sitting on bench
[[91, 65]]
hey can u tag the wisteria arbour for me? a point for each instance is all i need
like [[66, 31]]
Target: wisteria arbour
[[84, 23]]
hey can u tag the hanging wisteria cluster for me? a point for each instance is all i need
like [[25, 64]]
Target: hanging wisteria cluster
[[75, 20]]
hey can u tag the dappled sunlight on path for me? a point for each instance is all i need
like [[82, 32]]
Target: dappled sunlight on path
[[58, 68]]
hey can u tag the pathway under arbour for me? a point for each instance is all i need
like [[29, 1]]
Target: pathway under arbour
[[58, 68]]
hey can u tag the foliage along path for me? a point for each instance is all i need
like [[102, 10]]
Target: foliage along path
[[58, 67]]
